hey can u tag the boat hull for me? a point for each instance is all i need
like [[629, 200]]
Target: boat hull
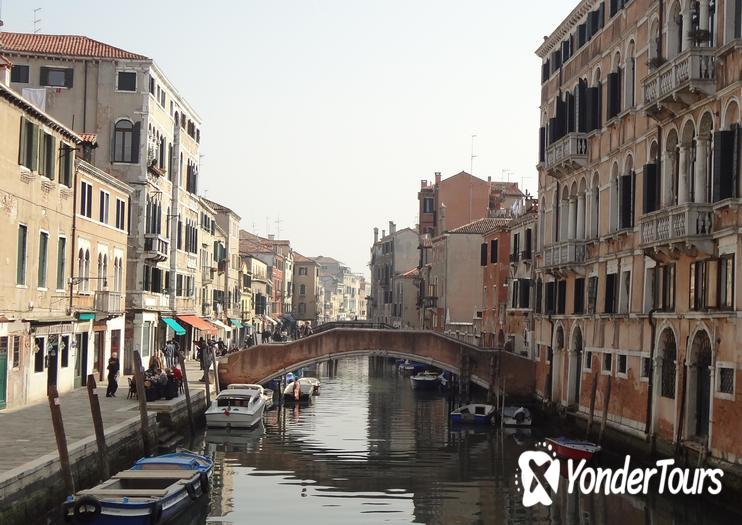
[[234, 419], [573, 450], [424, 383], [471, 419]]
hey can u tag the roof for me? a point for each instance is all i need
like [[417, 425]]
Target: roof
[[482, 226], [63, 45], [299, 258], [565, 27], [508, 188], [410, 274], [91, 138], [4, 62], [219, 207], [32, 110]]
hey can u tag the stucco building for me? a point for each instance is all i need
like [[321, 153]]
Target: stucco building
[[306, 305]]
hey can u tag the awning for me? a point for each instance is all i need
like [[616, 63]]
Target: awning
[[86, 316], [271, 321], [221, 325], [236, 323], [172, 323], [198, 323], [290, 318]]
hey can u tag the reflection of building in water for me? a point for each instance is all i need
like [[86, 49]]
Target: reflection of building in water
[[222, 485]]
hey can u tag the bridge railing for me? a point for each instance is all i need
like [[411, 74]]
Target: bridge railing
[[351, 324]]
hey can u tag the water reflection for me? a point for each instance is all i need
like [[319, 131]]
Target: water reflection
[[371, 450]]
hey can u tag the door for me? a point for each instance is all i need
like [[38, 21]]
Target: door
[[3, 371], [81, 360], [116, 346], [703, 390], [99, 354], [52, 360]]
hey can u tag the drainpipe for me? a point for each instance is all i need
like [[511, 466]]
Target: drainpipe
[[85, 100], [650, 385]]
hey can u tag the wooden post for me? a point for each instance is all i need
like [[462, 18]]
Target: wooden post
[[181, 361], [57, 423], [593, 392], [606, 400], [100, 437], [216, 371], [206, 382], [142, 398]]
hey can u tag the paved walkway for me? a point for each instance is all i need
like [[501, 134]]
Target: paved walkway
[[27, 434]]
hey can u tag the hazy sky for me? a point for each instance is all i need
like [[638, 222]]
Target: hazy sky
[[328, 113]]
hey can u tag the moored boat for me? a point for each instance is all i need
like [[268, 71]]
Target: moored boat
[[425, 381], [237, 407], [514, 416], [576, 449], [143, 495], [312, 381], [265, 392], [473, 413], [298, 391]]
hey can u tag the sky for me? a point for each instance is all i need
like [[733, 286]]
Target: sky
[[320, 117]]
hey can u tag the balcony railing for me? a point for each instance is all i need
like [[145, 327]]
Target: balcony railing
[[108, 303], [680, 81], [564, 254], [567, 154], [686, 224], [155, 247], [207, 275]]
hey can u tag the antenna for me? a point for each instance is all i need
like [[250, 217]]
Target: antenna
[[471, 160], [36, 21], [278, 222]]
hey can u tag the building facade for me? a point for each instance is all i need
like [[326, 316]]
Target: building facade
[[494, 259], [639, 213], [306, 285]]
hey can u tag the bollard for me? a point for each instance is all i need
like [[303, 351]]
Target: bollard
[[100, 436]]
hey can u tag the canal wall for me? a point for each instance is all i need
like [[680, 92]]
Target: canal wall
[[35, 490]]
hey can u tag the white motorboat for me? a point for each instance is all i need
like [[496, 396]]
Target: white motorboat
[[474, 413], [425, 380], [513, 416], [237, 407], [312, 381], [298, 391], [265, 392]]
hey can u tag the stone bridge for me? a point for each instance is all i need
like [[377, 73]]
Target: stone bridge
[[489, 369]]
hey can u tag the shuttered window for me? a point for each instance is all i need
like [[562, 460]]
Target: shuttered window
[[550, 298], [28, 150], [126, 141], [726, 164], [483, 254], [541, 144], [579, 298], [57, 77], [592, 294], [527, 250], [614, 94], [494, 248], [561, 297], [611, 293], [652, 189], [626, 192]]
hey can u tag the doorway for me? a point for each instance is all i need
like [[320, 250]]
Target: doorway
[[52, 360], [99, 353], [81, 360], [699, 387], [575, 363]]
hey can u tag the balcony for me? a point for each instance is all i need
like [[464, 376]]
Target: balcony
[[685, 228], [191, 261], [566, 155], [564, 256], [207, 275], [155, 247], [680, 82], [430, 302], [108, 303]]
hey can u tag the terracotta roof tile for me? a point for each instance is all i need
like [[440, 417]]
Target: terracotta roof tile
[[65, 45], [482, 226]]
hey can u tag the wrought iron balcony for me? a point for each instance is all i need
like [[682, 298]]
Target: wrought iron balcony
[[564, 255], [566, 155], [680, 82], [108, 303], [155, 247], [683, 227]]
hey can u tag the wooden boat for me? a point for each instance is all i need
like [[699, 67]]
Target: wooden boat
[[237, 408], [474, 413], [576, 449], [312, 381], [513, 416], [183, 460], [141, 496], [406, 368], [298, 391], [425, 381]]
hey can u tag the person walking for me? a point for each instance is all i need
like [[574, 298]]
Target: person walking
[[169, 353], [113, 375]]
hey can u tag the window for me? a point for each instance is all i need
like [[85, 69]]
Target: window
[[550, 298], [152, 85], [126, 142], [668, 372], [607, 362], [66, 165], [697, 299], [626, 202], [302, 290], [623, 306], [611, 293], [483, 254], [579, 299], [19, 74], [64, 350], [646, 368], [302, 270], [21, 257], [588, 360], [561, 297], [515, 286], [86, 199], [592, 294], [127, 81], [120, 214], [493, 250], [61, 261], [43, 249], [621, 364], [726, 380], [46, 155], [28, 148], [726, 282], [104, 201], [16, 351], [56, 77], [428, 205], [667, 276], [38, 364]]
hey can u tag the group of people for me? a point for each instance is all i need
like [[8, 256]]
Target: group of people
[[161, 381]]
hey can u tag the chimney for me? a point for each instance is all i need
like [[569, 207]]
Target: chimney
[[392, 228], [376, 235], [442, 222], [489, 178], [437, 177]]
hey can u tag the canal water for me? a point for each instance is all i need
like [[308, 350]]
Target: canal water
[[370, 450]]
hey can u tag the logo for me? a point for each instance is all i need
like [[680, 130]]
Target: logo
[[539, 471]]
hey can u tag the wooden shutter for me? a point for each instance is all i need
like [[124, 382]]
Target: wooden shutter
[[582, 106], [601, 15], [42, 154], [581, 32], [651, 192], [53, 155], [590, 117], [625, 188], [541, 144], [68, 75], [33, 143], [599, 106], [135, 142], [614, 87], [553, 128], [610, 288], [44, 76], [528, 243], [22, 143], [570, 111], [723, 173]]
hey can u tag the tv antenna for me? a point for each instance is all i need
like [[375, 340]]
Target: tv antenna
[[278, 222], [471, 160], [36, 21]]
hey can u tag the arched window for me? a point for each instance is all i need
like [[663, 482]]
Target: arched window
[[126, 141], [595, 208], [733, 18], [667, 343], [81, 271], [101, 273], [86, 274], [630, 76], [674, 31]]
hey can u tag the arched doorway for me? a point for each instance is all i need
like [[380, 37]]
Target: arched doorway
[[575, 360], [699, 387]]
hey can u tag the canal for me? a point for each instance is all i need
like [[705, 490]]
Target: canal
[[371, 450]]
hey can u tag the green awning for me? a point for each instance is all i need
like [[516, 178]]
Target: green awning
[[172, 323], [236, 323], [86, 316]]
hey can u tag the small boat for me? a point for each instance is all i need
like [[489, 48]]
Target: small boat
[[183, 460], [406, 368], [265, 392], [142, 496], [312, 381], [237, 408], [475, 413], [573, 448], [513, 416], [298, 391], [425, 381]]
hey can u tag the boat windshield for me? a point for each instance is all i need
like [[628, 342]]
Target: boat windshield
[[479, 411], [233, 401]]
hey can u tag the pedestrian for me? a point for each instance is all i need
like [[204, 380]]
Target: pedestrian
[[169, 353], [200, 354], [113, 375]]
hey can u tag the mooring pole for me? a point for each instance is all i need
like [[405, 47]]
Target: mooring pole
[[142, 398], [207, 381], [100, 436], [216, 371], [593, 392], [181, 360], [61, 438], [606, 400]]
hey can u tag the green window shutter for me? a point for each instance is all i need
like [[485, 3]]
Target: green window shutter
[[135, 143], [53, 155], [44, 79], [33, 143], [70, 166], [22, 143], [68, 75], [42, 153]]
